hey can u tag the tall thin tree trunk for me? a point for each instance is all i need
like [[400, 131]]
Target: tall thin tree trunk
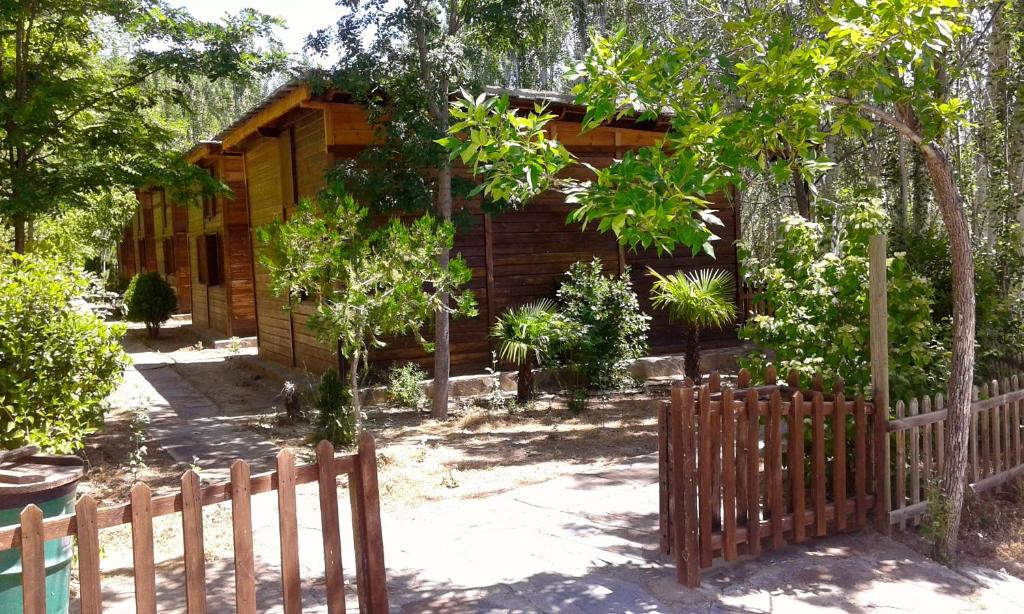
[[442, 347], [803, 197], [20, 233], [353, 386], [903, 207], [961, 375], [692, 354]]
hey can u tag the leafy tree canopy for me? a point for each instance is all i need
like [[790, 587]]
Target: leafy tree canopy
[[73, 110]]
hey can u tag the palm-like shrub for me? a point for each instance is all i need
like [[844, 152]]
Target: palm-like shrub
[[698, 301], [527, 335]]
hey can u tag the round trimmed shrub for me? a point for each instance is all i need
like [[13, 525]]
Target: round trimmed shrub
[[150, 299]]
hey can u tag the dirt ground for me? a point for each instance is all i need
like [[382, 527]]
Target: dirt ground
[[478, 452]]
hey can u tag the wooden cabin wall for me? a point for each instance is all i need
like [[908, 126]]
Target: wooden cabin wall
[[200, 294], [268, 179], [516, 256], [236, 245], [182, 263], [148, 246]]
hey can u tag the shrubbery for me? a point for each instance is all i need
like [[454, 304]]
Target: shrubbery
[[335, 419], [150, 299], [608, 327], [404, 385], [59, 362], [816, 288]]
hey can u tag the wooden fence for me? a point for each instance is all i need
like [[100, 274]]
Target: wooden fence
[[750, 303], [85, 523], [917, 442], [738, 474]]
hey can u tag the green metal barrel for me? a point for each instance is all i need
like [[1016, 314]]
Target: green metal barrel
[[50, 483]]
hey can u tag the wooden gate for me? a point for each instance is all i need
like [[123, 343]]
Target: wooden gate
[[85, 523], [753, 468]]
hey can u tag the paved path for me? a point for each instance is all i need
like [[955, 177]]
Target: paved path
[[186, 423], [584, 543]]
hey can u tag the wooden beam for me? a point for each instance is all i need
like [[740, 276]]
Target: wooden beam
[[268, 132], [273, 111], [879, 342]]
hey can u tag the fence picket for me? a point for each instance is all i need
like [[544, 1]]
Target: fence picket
[[664, 486], [915, 460], [839, 457], [328, 486], [680, 482], [940, 437], [729, 548], [997, 433], [860, 460], [90, 597], [753, 478], [901, 466], [372, 535], [793, 379], [743, 379], [142, 549], [1015, 384], [241, 525], [926, 443], [773, 459], [818, 467], [192, 536], [33, 561], [771, 375], [796, 466], [975, 462], [288, 530], [705, 475]]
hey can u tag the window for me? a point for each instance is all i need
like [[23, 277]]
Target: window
[[208, 259], [168, 247]]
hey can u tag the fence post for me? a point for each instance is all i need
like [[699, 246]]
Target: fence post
[[879, 301]]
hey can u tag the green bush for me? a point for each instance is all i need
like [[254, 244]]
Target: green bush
[[58, 362], [150, 299], [404, 385], [606, 328], [816, 289], [335, 420]]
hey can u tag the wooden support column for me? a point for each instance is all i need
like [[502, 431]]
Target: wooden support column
[[879, 301], [489, 265]]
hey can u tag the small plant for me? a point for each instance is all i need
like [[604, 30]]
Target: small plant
[[292, 401], [528, 334], [606, 327], [137, 429], [577, 400], [936, 519], [150, 299], [404, 385], [698, 301], [496, 398], [335, 418]]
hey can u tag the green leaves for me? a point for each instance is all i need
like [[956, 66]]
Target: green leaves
[[60, 363], [701, 299], [368, 283]]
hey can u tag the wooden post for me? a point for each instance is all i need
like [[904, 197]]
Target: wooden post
[[879, 301]]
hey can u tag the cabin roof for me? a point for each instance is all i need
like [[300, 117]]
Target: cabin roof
[[297, 92]]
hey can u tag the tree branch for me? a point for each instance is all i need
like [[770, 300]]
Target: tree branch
[[886, 118]]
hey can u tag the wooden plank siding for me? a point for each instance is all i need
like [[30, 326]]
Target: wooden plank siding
[[515, 257]]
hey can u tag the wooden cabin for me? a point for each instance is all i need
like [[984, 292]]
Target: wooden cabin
[[156, 241], [287, 143], [219, 248]]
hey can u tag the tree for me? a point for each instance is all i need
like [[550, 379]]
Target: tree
[[151, 300], [527, 336], [368, 284], [767, 103], [73, 118], [699, 300], [401, 60]]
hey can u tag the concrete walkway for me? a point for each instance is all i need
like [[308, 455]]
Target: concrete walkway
[[584, 543], [186, 423]]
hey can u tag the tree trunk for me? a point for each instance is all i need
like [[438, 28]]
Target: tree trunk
[[692, 355], [961, 375], [353, 386], [442, 347], [803, 198], [524, 382], [903, 207], [20, 235]]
